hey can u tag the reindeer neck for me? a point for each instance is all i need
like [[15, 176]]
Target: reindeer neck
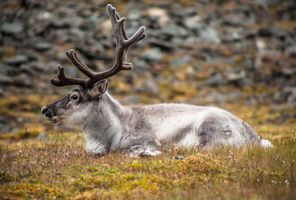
[[104, 124], [112, 105]]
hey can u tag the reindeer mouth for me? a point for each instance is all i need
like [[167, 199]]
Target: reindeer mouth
[[50, 115], [54, 119]]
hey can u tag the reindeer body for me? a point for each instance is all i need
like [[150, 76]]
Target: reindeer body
[[145, 130], [139, 130]]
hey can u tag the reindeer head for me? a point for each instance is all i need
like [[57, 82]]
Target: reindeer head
[[77, 102]]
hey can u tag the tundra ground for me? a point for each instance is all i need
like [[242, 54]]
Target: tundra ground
[[34, 166]]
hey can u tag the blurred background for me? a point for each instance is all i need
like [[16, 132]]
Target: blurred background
[[232, 54]]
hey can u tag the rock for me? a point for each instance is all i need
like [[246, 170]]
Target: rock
[[151, 87], [4, 128], [5, 69], [237, 79], [172, 30], [86, 25], [42, 46], [232, 35], [182, 12], [39, 66], [153, 55], [42, 21], [131, 99], [177, 62], [179, 157], [12, 28], [28, 69], [140, 65], [216, 80], [193, 23], [5, 80], [291, 95], [249, 34], [260, 45], [287, 95], [17, 60], [165, 46], [216, 97], [237, 19], [42, 136], [1, 92], [159, 14], [196, 67], [134, 15], [291, 51], [104, 28], [71, 71], [32, 55], [85, 12], [23, 80], [61, 23], [210, 35], [265, 32], [61, 56]]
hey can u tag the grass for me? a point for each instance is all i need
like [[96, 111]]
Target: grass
[[59, 168]]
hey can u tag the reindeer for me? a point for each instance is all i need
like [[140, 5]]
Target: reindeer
[[139, 130]]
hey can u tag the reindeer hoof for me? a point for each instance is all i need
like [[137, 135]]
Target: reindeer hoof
[[150, 152]]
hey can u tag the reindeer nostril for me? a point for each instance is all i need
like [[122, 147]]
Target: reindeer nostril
[[44, 110]]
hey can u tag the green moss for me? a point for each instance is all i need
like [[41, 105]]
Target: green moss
[[29, 191], [5, 177]]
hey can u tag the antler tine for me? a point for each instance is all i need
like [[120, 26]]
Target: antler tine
[[119, 30], [79, 64], [63, 80], [126, 38], [122, 44], [124, 32], [139, 35]]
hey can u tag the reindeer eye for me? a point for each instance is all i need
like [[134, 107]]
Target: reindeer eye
[[74, 97]]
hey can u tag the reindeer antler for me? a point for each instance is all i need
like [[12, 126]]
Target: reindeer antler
[[122, 45]]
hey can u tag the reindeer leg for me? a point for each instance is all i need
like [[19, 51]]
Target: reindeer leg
[[140, 146], [142, 151], [150, 152]]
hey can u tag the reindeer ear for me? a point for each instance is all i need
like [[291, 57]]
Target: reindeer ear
[[98, 89]]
